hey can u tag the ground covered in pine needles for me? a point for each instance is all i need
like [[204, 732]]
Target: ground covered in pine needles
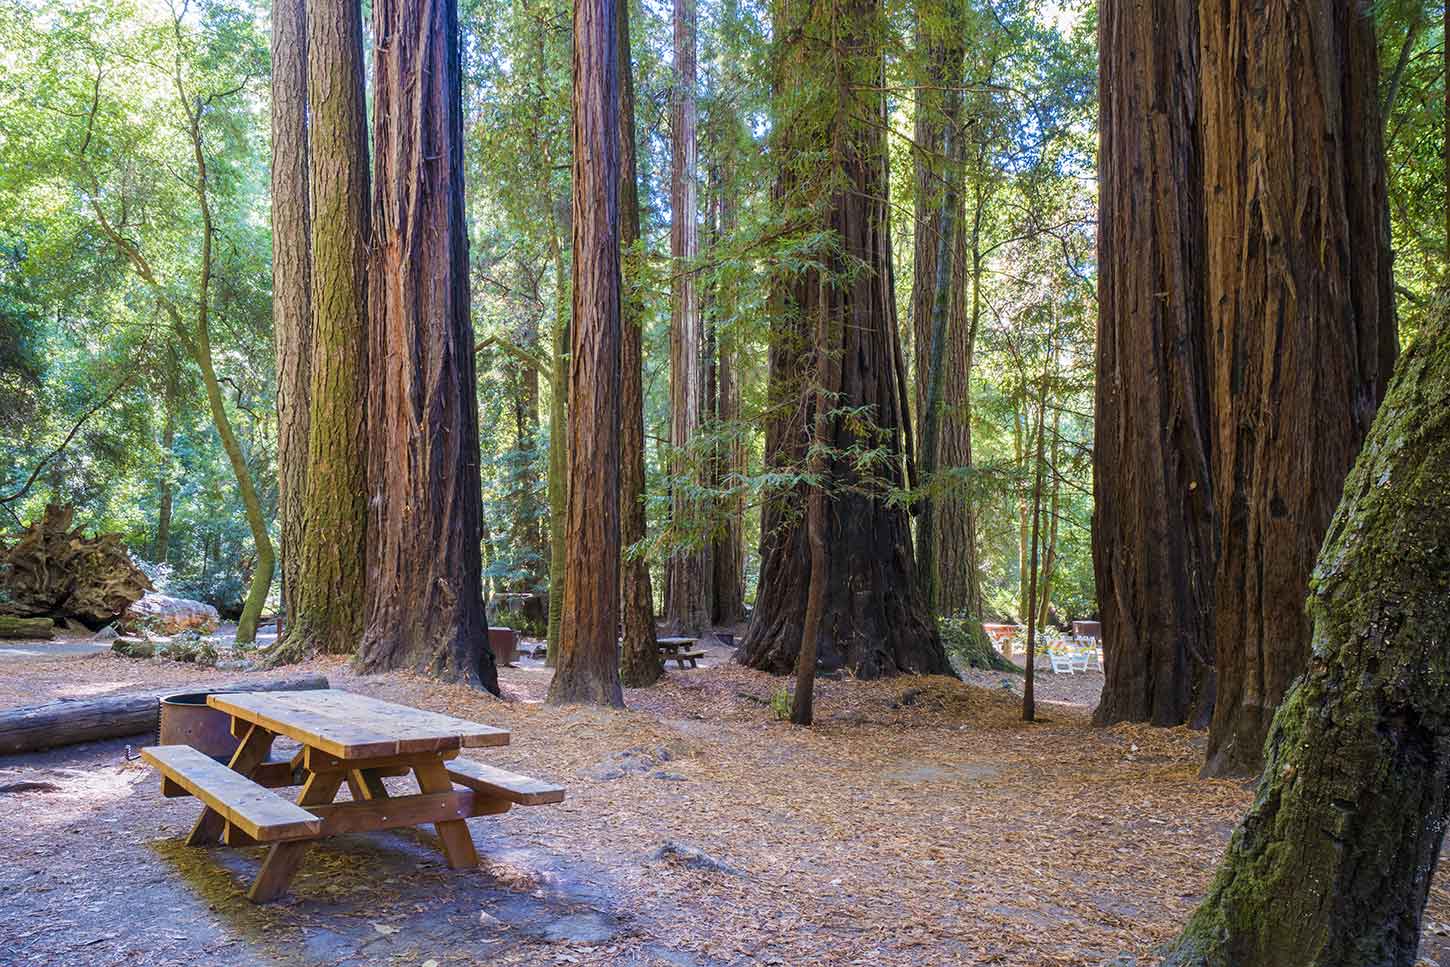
[[920, 822]]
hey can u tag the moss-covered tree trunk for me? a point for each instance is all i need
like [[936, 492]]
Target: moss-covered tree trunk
[[1301, 323], [1332, 865], [639, 659], [291, 277], [327, 604], [424, 577]]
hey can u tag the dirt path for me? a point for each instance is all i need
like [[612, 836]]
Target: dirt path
[[918, 824]]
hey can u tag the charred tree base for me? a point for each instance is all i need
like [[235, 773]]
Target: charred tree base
[[450, 656]]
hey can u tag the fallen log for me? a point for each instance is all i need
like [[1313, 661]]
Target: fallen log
[[74, 720], [12, 627]]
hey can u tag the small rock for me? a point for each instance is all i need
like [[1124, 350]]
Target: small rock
[[682, 854], [133, 648], [108, 633], [669, 776]]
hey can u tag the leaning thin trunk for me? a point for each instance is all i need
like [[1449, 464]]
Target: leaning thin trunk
[[159, 549]]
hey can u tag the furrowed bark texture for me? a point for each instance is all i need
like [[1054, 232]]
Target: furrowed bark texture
[[327, 603], [1332, 865], [687, 605], [425, 606], [291, 277], [587, 668], [640, 663], [1300, 316], [1153, 521], [875, 621]]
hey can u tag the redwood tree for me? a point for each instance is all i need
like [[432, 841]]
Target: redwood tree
[[327, 601], [640, 662], [1300, 317], [291, 276], [1333, 863], [587, 667], [872, 616], [687, 605], [1153, 537], [424, 582]]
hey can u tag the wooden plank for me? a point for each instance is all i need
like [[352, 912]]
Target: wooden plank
[[284, 858], [72, 720], [443, 808], [260, 813], [457, 840], [524, 790], [315, 760], [255, 746], [351, 726]]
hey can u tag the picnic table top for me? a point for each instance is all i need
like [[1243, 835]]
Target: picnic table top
[[352, 726]]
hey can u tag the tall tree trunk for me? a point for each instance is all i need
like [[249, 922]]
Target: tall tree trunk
[[165, 499], [1333, 863], [526, 532], [424, 581], [727, 553], [328, 602], [640, 663], [687, 605], [291, 278], [945, 553], [875, 621], [558, 433], [1153, 519], [587, 668], [1301, 319], [1049, 550]]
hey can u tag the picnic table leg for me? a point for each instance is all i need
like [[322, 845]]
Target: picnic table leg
[[454, 835], [283, 858], [366, 784], [252, 752]]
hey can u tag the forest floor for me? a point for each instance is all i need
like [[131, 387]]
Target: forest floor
[[918, 823]]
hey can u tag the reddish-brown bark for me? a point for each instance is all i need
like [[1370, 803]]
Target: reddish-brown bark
[[587, 667], [1300, 317], [425, 607], [1153, 537]]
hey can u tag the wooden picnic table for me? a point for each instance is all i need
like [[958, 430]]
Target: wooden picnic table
[[680, 649], [346, 739]]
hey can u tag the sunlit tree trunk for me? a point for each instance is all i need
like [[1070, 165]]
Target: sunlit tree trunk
[[327, 602], [587, 669], [1333, 863], [1300, 316], [558, 431], [424, 580], [640, 663], [291, 277]]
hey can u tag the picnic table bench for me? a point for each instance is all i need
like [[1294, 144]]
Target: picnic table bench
[[345, 738], [679, 648]]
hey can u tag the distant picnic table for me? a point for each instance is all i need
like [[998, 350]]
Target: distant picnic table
[[681, 649], [346, 738]]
